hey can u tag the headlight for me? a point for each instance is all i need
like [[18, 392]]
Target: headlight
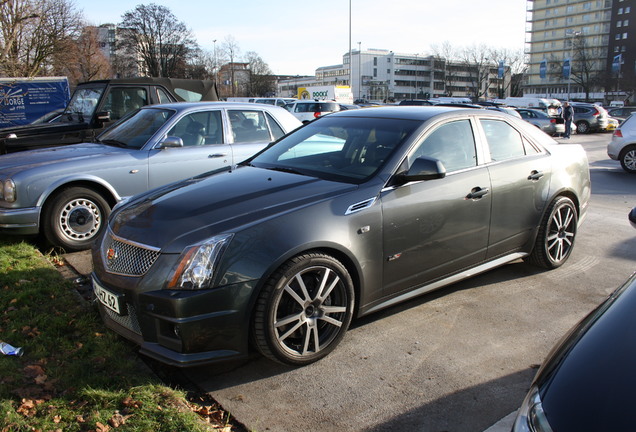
[[531, 417], [197, 264], [8, 190]]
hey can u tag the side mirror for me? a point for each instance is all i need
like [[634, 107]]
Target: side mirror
[[423, 168], [170, 142]]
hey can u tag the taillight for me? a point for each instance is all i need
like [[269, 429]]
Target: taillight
[[596, 113], [552, 120], [617, 133], [317, 114]]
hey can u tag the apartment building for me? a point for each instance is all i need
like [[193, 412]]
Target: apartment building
[[580, 49]]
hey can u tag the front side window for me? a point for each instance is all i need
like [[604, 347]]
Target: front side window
[[503, 140], [200, 128], [121, 100], [452, 143]]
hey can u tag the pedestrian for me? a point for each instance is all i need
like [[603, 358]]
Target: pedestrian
[[568, 113]]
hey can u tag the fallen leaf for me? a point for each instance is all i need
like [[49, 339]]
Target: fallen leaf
[[99, 427]]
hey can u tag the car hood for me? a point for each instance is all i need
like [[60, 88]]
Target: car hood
[[188, 212], [12, 163], [592, 371]]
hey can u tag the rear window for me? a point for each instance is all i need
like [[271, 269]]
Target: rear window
[[317, 107]]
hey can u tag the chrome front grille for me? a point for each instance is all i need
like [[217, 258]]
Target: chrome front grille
[[127, 258]]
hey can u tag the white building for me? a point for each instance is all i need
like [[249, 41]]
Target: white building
[[381, 75]]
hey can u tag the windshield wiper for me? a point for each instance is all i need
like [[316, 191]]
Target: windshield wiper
[[286, 170], [115, 143]]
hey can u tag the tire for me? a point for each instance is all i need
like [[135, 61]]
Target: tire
[[556, 235], [628, 159], [304, 310], [74, 217], [582, 127]]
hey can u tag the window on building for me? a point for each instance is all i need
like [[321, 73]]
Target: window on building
[[624, 35], [620, 11], [619, 23], [625, 23], [628, 9]]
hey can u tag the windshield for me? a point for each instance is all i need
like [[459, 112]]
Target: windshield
[[83, 103], [136, 129], [341, 149]]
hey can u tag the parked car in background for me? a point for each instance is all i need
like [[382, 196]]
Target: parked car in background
[[95, 105], [66, 193], [587, 381], [281, 102], [308, 110], [589, 117], [622, 147], [344, 107], [352, 213], [415, 102], [550, 125], [621, 113], [505, 109], [612, 124]]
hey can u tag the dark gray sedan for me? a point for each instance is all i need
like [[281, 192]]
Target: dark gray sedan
[[67, 192], [347, 215]]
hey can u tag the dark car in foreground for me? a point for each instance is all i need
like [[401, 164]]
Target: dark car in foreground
[[587, 381], [96, 105], [352, 213], [66, 193]]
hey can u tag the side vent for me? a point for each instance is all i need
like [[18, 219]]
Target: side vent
[[354, 208]]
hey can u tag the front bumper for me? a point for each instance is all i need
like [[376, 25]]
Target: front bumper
[[23, 221], [185, 328]]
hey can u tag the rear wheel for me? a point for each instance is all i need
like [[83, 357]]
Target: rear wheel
[[304, 310], [582, 127], [74, 217], [555, 239], [628, 159]]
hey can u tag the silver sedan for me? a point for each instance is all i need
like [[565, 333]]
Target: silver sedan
[[67, 192], [550, 125]]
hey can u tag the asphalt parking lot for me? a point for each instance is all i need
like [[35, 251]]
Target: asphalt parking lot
[[459, 359]]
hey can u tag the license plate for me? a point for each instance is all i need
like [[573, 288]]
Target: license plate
[[110, 300]]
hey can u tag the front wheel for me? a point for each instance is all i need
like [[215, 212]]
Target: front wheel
[[557, 232], [74, 217], [628, 159], [304, 310]]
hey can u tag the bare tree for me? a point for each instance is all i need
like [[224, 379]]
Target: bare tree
[[445, 55], [517, 62], [85, 60], [478, 64], [161, 41], [230, 49], [587, 66], [261, 80], [34, 33]]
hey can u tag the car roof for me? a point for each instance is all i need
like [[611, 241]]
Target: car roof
[[420, 112], [181, 106]]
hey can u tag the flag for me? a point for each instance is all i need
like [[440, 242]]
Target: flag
[[500, 71], [543, 69], [567, 68], [616, 64]]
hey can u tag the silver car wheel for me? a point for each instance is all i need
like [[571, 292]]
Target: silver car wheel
[[628, 160], [305, 310], [80, 219]]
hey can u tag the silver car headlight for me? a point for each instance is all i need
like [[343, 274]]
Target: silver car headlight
[[8, 190], [531, 417], [197, 264]]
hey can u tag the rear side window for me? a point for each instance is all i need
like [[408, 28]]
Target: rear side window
[[122, 100], [188, 95], [277, 131], [503, 140], [249, 126]]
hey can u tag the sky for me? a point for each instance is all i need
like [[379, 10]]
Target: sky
[[294, 37]]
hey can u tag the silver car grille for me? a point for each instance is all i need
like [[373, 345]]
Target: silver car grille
[[127, 258]]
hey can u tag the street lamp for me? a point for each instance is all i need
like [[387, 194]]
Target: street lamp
[[214, 66], [360, 69], [572, 35]]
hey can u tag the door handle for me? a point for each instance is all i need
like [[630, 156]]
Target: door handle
[[477, 193], [535, 175], [217, 155]]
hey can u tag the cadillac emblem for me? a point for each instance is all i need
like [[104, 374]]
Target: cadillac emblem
[[111, 254]]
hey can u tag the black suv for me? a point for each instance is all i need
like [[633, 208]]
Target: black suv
[[96, 104]]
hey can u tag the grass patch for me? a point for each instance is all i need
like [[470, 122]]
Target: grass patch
[[75, 375]]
